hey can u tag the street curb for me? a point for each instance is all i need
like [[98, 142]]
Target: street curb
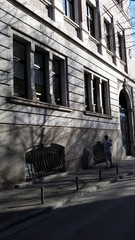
[[63, 202]]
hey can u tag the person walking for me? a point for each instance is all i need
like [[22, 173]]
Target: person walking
[[107, 143]]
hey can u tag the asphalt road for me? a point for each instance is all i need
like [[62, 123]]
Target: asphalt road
[[107, 214]]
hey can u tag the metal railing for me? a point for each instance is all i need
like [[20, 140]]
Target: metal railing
[[98, 153], [42, 161]]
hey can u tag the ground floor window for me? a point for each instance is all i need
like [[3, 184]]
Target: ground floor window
[[96, 93], [39, 74], [20, 69], [59, 84], [41, 65]]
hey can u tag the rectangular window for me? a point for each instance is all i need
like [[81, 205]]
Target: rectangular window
[[87, 100], [107, 26], [121, 46], [68, 7], [105, 97], [19, 69], [90, 20], [39, 75], [49, 7], [96, 94], [59, 82]]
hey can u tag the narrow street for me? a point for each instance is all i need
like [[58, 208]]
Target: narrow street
[[107, 214]]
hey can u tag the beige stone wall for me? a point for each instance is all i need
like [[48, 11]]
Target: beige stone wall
[[16, 140], [23, 124]]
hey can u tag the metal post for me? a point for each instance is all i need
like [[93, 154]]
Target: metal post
[[100, 177], [76, 183], [42, 195], [117, 171]]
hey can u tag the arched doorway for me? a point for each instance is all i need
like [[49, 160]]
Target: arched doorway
[[124, 121]]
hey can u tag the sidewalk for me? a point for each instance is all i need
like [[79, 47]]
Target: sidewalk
[[25, 200]]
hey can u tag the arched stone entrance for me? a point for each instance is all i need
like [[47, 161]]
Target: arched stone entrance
[[126, 122]]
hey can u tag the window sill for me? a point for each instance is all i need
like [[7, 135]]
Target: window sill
[[47, 3], [110, 52], [67, 19], [98, 115], [31, 103], [94, 39], [122, 63]]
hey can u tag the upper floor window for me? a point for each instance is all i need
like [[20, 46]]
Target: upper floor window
[[121, 46], [90, 19], [20, 69], [107, 34], [68, 7], [96, 94]]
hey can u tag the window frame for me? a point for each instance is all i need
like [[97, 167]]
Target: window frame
[[109, 34], [24, 63], [105, 95], [97, 98], [107, 26], [44, 69], [90, 19], [96, 94], [121, 46], [69, 9], [30, 98], [62, 81]]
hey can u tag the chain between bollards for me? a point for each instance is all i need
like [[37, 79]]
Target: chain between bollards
[[42, 195], [77, 183], [100, 176]]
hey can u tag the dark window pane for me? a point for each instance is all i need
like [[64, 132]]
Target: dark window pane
[[68, 7], [120, 45], [39, 76], [20, 69], [19, 87], [104, 95], [86, 92], [90, 20], [57, 82], [107, 34], [19, 51], [95, 92], [38, 60]]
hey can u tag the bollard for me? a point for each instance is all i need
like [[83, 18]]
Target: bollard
[[100, 177], [42, 195], [117, 171], [76, 183]]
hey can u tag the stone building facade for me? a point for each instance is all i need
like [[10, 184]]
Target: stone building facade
[[66, 77]]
